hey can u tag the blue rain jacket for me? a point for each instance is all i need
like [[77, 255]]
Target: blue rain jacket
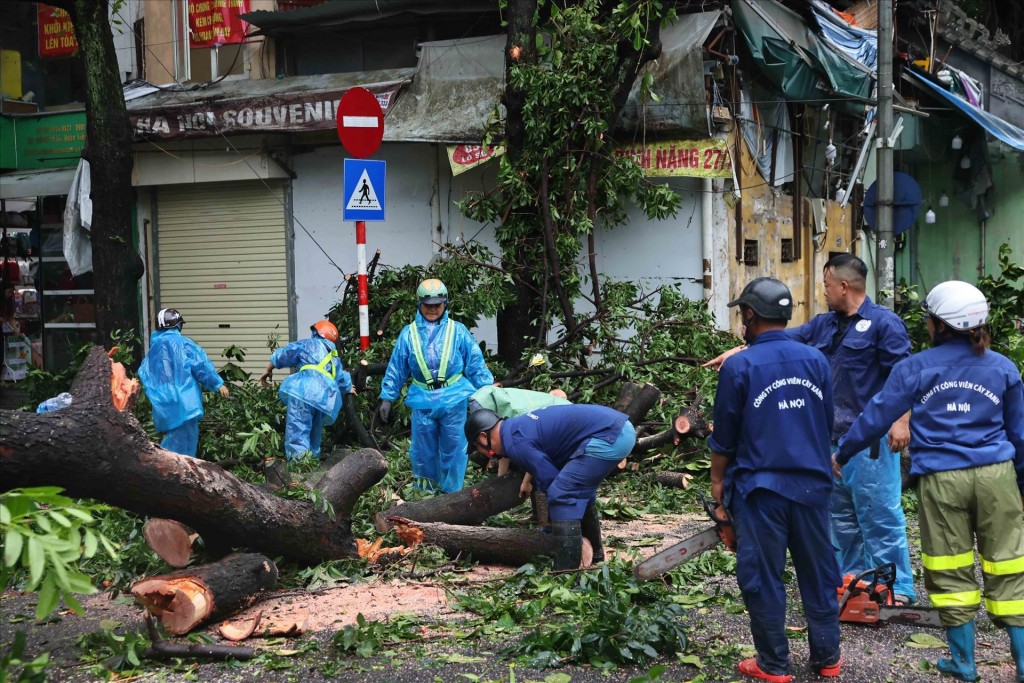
[[171, 374], [543, 442], [967, 410], [875, 340], [467, 371], [773, 411], [322, 390]]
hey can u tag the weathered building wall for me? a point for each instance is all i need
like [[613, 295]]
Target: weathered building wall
[[767, 218]]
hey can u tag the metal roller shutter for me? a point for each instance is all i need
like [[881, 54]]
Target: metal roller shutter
[[222, 262]]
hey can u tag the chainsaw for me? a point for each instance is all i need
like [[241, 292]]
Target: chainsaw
[[868, 598], [686, 550]]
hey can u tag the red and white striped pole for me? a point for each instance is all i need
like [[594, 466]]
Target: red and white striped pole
[[364, 287]]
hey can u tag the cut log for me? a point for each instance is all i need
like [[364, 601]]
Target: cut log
[[92, 450], [185, 599], [239, 629], [645, 399], [171, 541], [470, 506], [691, 423], [513, 547], [679, 480]]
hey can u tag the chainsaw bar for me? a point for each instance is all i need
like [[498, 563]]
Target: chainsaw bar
[[678, 554]]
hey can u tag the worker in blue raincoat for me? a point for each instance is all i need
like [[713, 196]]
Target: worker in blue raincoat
[[568, 450], [446, 366], [862, 342], [771, 469], [171, 373], [967, 448], [314, 393]]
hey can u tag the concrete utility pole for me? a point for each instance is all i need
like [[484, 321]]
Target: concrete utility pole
[[885, 253]]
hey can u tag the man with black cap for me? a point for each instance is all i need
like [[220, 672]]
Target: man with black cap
[[771, 469], [569, 450]]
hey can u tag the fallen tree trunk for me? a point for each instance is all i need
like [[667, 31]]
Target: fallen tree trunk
[[185, 599], [627, 393], [468, 507], [514, 547], [92, 450]]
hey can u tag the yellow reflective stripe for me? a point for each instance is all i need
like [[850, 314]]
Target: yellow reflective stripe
[[446, 354], [1003, 608], [417, 350], [964, 599], [1002, 567], [446, 351], [451, 381], [322, 365], [938, 563]]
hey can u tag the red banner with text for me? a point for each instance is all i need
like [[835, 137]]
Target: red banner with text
[[56, 32], [216, 22]]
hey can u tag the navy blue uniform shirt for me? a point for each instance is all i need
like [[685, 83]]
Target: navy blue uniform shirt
[[543, 441], [773, 411], [967, 410], [874, 341]]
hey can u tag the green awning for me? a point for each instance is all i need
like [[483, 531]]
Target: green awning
[[789, 53]]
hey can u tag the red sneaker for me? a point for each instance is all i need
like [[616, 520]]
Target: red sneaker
[[831, 671], [750, 668]]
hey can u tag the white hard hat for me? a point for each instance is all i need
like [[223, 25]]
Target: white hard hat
[[960, 305]]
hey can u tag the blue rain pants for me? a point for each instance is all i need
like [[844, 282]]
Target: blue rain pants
[[438, 449], [303, 430], [868, 525], [767, 524], [183, 439]]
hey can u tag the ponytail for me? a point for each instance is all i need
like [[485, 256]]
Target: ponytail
[[980, 340]]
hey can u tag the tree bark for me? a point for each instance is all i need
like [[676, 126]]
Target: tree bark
[[678, 480], [467, 507], [645, 399], [513, 547], [93, 451], [185, 599], [627, 392]]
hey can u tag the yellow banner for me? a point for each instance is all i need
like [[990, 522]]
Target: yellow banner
[[464, 157], [696, 158]]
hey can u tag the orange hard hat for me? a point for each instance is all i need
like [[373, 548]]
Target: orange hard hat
[[326, 329]]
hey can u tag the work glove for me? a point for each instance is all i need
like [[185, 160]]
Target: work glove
[[384, 410]]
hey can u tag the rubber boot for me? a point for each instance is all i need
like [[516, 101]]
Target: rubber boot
[[569, 550], [960, 665], [1017, 648], [591, 528]]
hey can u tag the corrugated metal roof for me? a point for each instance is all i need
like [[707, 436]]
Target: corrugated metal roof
[[339, 12], [245, 89]]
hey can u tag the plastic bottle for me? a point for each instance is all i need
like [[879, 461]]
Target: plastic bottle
[[58, 402]]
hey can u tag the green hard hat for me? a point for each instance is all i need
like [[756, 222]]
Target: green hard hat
[[432, 291]]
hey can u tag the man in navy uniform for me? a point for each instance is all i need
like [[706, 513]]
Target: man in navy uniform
[[771, 468], [569, 450], [862, 342]]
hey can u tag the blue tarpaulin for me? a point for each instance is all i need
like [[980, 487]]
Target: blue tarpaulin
[[1002, 130], [856, 42]]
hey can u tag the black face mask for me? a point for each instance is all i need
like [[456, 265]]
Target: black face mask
[[748, 336]]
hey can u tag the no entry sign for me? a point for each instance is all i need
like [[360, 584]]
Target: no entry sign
[[360, 122]]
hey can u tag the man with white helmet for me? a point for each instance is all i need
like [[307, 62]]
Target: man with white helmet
[[171, 374], [967, 447], [446, 366]]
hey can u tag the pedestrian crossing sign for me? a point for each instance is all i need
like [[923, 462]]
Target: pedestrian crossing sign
[[364, 190]]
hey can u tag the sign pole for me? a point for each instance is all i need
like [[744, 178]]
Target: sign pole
[[364, 287]]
